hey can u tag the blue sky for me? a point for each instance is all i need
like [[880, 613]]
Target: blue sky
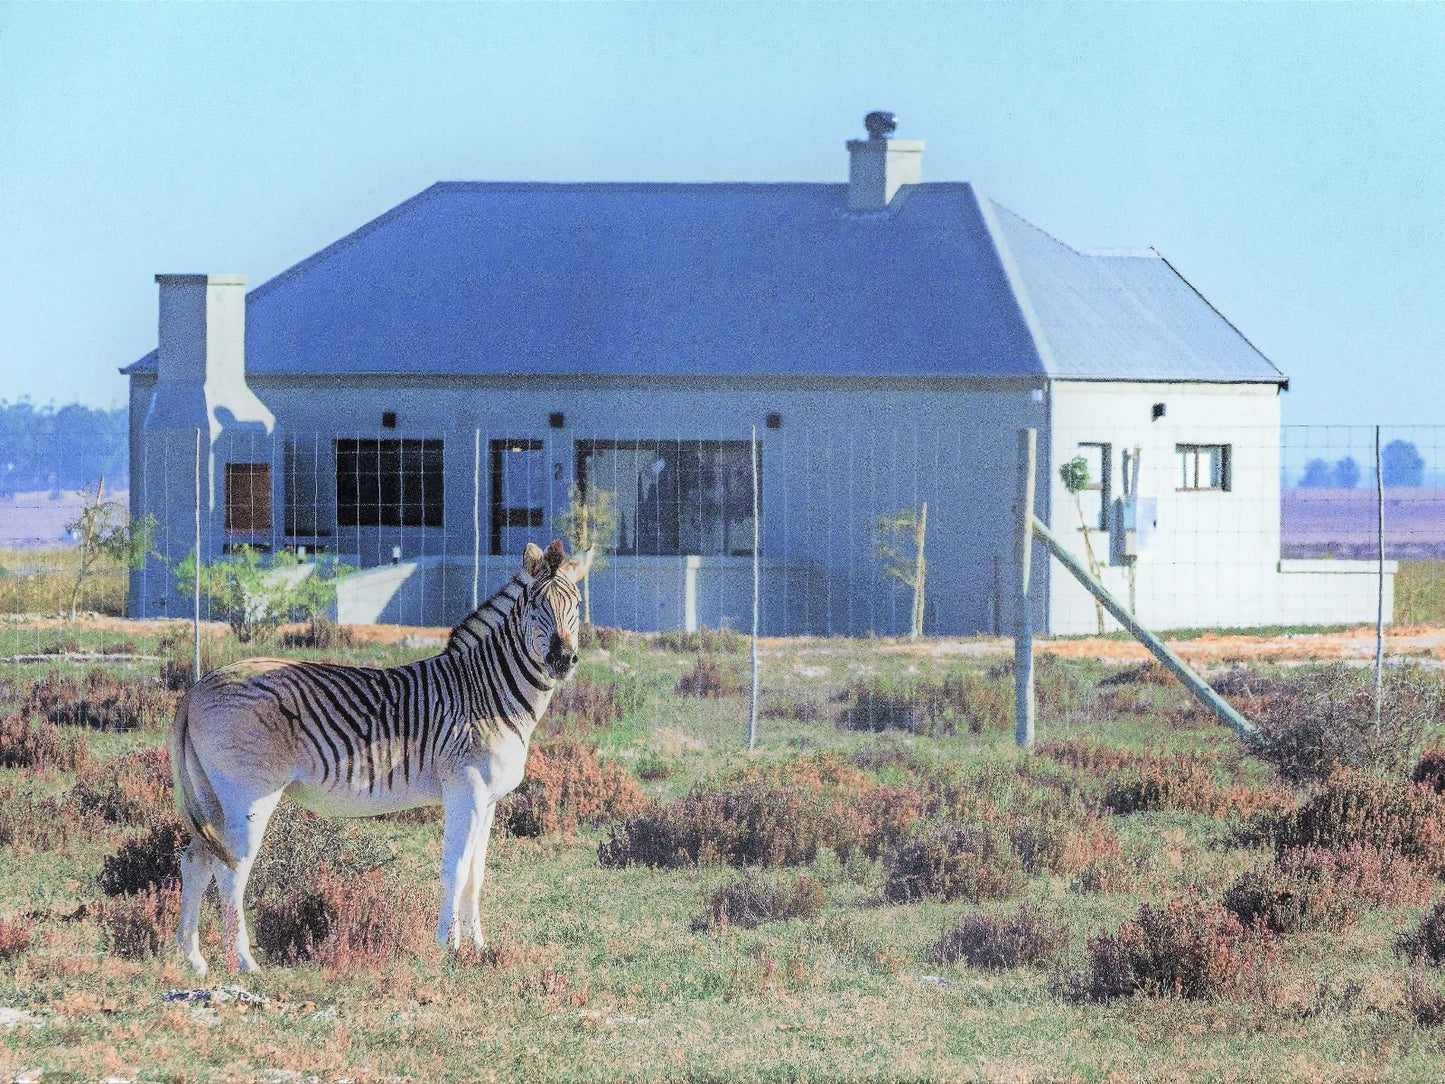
[[1288, 159]]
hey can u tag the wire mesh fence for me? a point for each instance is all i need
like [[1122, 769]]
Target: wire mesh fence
[[1194, 524]]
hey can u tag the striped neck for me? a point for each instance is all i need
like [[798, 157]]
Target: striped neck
[[481, 624]]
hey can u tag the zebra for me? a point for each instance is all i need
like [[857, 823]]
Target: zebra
[[450, 730]]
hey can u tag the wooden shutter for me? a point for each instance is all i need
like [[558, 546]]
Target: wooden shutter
[[248, 497]]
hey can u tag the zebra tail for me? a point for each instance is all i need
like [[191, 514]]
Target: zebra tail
[[186, 769]]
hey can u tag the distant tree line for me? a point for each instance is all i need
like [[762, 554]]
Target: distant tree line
[[1400, 464], [65, 449]]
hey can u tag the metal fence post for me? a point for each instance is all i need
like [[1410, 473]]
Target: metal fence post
[[1380, 583], [757, 536], [1023, 612], [476, 516], [196, 596]]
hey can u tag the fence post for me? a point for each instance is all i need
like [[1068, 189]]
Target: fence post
[[757, 537], [196, 598], [1380, 583], [1023, 611], [476, 516]]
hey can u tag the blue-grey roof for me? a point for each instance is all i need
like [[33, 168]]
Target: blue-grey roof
[[749, 279], [1122, 316]]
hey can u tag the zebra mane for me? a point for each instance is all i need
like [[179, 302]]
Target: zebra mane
[[478, 626]]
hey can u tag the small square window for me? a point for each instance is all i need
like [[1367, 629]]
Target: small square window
[[388, 419], [775, 421], [557, 420], [1201, 467]]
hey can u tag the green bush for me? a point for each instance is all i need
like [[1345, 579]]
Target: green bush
[[255, 593]]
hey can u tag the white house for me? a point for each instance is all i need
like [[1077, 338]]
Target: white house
[[419, 397]]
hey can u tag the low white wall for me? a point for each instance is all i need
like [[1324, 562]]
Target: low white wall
[[643, 593], [1334, 592]]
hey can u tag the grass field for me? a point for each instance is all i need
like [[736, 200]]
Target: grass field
[[614, 971]]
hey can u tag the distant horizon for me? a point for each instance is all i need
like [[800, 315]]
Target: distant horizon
[[1284, 158]]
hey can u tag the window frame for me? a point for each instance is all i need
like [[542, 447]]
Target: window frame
[[585, 447], [429, 507], [251, 525], [1105, 485], [1225, 453], [502, 517]]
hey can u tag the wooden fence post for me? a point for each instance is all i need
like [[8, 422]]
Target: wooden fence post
[[1023, 610]]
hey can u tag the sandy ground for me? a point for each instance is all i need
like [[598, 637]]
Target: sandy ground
[[1207, 650]]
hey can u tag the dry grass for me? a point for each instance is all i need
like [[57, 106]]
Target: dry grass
[[594, 971]]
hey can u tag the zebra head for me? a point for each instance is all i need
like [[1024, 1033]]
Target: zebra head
[[551, 621]]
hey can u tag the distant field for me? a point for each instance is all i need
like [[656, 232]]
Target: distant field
[[1342, 522], [29, 520]]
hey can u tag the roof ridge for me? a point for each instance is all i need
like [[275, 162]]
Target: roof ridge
[[1150, 253], [1014, 277]]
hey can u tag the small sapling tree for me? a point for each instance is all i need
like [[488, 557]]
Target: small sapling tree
[[255, 595], [899, 544], [589, 522], [1075, 476], [105, 537]]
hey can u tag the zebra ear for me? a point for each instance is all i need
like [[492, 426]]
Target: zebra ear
[[556, 553], [532, 559], [577, 568]]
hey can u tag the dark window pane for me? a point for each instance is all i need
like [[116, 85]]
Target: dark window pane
[[389, 483]]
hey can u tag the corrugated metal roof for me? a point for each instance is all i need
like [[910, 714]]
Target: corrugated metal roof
[[687, 279], [1123, 316]]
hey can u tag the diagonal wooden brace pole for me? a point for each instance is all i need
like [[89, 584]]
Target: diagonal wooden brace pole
[[1177, 666]]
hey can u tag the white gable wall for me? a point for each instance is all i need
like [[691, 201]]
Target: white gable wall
[[1214, 558]]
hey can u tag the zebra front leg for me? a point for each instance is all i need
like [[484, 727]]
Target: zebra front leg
[[197, 868], [472, 898], [463, 818]]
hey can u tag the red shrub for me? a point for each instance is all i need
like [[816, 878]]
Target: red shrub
[[134, 789], [36, 743], [138, 927], [751, 900], [1183, 949], [15, 935], [103, 701], [1426, 942], [150, 860], [1182, 782], [953, 861], [1359, 807], [1028, 937], [34, 822], [1311, 888], [566, 784], [1430, 770], [711, 679], [341, 922]]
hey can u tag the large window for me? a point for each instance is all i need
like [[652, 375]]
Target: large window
[[389, 483], [248, 497], [519, 494], [675, 497], [1202, 466]]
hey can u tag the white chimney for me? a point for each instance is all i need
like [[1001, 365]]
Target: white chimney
[[879, 165], [201, 381]]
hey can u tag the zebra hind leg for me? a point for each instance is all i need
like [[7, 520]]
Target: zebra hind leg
[[198, 866], [243, 835]]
